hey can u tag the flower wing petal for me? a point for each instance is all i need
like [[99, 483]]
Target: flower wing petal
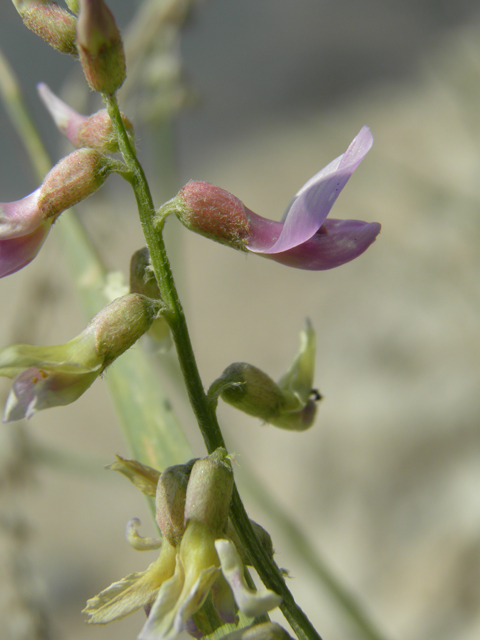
[[313, 202], [251, 603], [343, 241], [16, 252]]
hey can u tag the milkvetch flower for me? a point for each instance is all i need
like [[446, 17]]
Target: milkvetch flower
[[94, 131], [196, 556], [25, 224], [58, 375], [289, 404], [305, 238]]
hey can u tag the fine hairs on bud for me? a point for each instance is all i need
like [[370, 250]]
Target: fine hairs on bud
[[52, 23], [71, 180], [100, 47]]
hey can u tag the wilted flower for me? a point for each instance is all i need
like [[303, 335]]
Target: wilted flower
[[197, 560], [25, 224], [58, 375], [95, 131], [305, 238], [289, 404]]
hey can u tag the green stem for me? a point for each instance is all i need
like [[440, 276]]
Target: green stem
[[204, 412]]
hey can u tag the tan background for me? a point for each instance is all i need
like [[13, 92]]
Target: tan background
[[386, 484]]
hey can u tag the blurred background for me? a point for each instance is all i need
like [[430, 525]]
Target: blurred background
[[386, 485]]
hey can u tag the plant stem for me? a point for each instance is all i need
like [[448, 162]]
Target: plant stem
[[204, 412]]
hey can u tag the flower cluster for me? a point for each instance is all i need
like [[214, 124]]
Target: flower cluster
[[198, 553]]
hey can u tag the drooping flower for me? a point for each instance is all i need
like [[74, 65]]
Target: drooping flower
[[305, 238], [196, 555], [58, 375], [24, 224], [94, 131], [289, 404]]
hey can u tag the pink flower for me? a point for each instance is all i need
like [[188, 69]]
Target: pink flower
[[23, 230], [305, 238], [25, 224]]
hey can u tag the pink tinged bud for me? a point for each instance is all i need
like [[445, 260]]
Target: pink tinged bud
[[214, 213], [305, 238], [71, 180], [49, 21], [93, 131], [55, 376], [23, 230], [100, 47]]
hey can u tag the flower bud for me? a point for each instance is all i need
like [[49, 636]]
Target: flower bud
[[214, 213], [120, 324], [170, 501], [95, 131], [100, 47], [49, 21], [209, 492], [71, 180]]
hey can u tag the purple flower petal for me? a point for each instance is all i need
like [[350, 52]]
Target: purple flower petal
[[35, 389], [336, 243], [17, 252], [313, 202]]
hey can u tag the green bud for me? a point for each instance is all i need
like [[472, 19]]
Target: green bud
[[209, 492], [170, 501], [120, 324], [100, 47], [49, 21], [71, 180]]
